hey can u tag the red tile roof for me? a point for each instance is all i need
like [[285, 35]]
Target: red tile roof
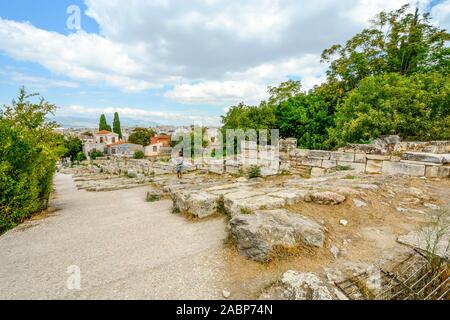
[[115, 144], [104, 132]]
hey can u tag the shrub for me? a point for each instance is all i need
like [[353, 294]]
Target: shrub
[[81, 156], [96, 154], [29, 150], [138, 155], [254, 172]]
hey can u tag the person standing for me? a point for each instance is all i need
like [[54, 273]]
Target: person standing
[[179, 165]]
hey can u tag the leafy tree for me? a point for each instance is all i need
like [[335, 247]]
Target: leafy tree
[[81, 157], [103, 124], [414, 107], [398, 41], [307, 118], [73, 146], [141, 136], [116, 125], [29, 149]]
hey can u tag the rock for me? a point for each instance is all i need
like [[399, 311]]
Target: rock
[[242, 179], [334, 251], [198, 203], [235, 205], [226, 294], [374, 166], [434, 240], [427, 157], [438, 172], [154, 195], [257, 234], [318, 172], [359, 203], [304, 286], [343, 222], [327, 198], [394, 168], [131, 173], [290, 196], [432, 206]]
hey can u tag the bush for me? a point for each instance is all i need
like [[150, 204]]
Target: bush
[[96, 154], [413, 107], [138, 155], [81, 156], [254, 172], [29, 150]]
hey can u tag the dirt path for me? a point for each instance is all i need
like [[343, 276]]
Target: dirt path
[[126, 248]]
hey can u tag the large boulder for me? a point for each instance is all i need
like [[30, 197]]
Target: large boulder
[[257, 234], [197, 203], [294, 285]]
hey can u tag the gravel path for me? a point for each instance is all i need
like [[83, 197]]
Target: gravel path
[[126, 248]]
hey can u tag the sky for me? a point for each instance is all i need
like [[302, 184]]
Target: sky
[[172, 62]]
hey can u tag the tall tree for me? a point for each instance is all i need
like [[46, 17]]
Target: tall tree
[[399, 41], [103, 125], [116, 125]]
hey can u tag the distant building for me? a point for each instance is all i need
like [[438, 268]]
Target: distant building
[[161, 139], [100, 141], [123, 149]]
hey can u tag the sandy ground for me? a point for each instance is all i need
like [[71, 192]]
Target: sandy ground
[[126, 248]]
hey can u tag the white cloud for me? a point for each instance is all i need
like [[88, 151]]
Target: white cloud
[[222, 51], [441, 12], [36, 82], [365, 10], [139, 114]]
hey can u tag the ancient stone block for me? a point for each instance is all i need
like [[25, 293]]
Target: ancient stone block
[[257, 234], [438, 172], [319, 154], [427, 157], [394, 168], [312, 162], [290, 196], [342, 156], [374, 166], [328, 164], [377, 157], [327, 198], [357, 167], [360, 157]]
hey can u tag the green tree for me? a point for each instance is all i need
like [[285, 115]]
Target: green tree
[[29, 149], [307, 118], [81, 157], [116, 125], [73, 146], [141, 136], [414, 107], [103, 124], [398, 41]]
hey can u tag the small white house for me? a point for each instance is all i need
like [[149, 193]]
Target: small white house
[[153, 149]]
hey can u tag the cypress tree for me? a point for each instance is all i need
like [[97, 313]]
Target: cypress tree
[[103, 125], [116, 125]]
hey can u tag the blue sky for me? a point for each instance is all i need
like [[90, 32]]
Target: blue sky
[[172, 62]]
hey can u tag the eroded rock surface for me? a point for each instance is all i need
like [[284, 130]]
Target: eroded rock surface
[[257, 234]]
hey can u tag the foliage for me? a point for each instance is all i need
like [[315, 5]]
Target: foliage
[[103, 124], [391, 78], [94, 154], [73, 146], [414, 107], [81, 156], [116, 125], [138, 154], [305, 117], [141, 136], [254, 172], [29, 149], [396, 42], [191, 136]]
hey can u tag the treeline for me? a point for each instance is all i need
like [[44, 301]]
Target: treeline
[[29, 150], [391, 78]]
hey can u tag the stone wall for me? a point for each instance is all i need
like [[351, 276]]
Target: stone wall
[[376, 158]]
